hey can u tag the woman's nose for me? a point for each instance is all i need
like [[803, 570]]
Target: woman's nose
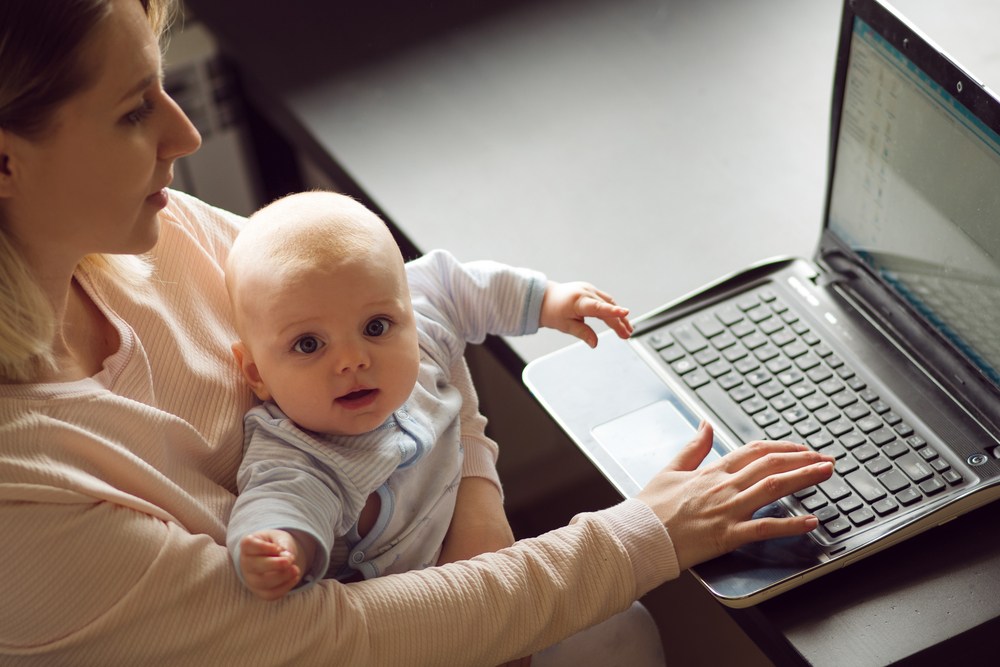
[[180, 136]]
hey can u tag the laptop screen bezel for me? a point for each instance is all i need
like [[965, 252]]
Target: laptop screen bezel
[[841, 262]]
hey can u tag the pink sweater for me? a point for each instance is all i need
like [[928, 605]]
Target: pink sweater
[[115, 491]]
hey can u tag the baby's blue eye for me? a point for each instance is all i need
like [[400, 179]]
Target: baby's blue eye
[[307, 345], [377, 327]]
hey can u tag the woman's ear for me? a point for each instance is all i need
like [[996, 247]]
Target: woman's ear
[[244, 359], [6, 173]]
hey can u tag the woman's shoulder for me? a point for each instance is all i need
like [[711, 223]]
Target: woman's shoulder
[[211, 227]]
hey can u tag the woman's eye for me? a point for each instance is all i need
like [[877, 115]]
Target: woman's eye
[[377, 327], [307, 345], [140, 113]]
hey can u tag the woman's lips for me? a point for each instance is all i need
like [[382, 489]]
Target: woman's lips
[[358, 399], [159, 199]]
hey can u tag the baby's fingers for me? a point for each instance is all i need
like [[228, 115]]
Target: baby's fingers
[[592, 307]]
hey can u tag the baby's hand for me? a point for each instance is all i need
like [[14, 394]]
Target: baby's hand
[[566, 305], [267, 561]]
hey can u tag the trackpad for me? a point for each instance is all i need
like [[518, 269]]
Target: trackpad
[[644, 441]]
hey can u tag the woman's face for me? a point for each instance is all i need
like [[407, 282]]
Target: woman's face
[[94, 182]]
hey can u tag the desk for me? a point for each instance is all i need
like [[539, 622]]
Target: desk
[[648, 146]]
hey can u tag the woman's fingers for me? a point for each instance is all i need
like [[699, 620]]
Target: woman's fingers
[[708, 511], [694, 452]]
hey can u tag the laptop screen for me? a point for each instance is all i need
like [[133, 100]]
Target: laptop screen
[[916, 194]]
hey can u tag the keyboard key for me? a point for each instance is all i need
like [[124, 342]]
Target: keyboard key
[[850, 504], [820, 440], [895, 449], [802, 389], [730, 380], [708, 326], [741, 393], [868, 395], [659, 340], [903, 429], [940, 465], [729, 315], [882, 436], [827, 513], [672, 353], [857, 411], [807, 427], [894, 481], [814, 503], [862, 516], [869, 424], [880, 407], [831, 386], [706, 356], [782, 402], [795, 415], [807, 362], [866, 486], [879, 465], [697, 379], [852, 440], [866, 452], [771, 326], [792, 377], [927, 453], [914, 467], [908, 497], [827, 414], [689, 338], [932, 486], [845, 465], [885, 507], [683, 366], [837, 527], [778, 431], [845, 398], [723, 341], [770, 389], [718, 368], [766, 418], [953, 477], [835, 489], [840, 427]]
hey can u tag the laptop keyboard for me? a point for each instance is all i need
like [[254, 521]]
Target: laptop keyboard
[[774, 374]]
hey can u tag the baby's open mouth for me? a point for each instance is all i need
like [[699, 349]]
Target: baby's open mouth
[[357, 398]]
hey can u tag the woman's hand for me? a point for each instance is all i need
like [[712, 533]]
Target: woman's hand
[[708, 511]]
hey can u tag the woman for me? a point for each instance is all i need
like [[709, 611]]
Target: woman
[[120, 415]]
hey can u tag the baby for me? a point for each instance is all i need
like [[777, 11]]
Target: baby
[[353, 459]]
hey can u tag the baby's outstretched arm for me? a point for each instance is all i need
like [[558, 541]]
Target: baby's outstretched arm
[[272, 561], [565, 306]]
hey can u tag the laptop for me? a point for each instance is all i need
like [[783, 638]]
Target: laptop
[[883, 350]]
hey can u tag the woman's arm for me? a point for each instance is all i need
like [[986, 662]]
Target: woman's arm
[[100, 584]]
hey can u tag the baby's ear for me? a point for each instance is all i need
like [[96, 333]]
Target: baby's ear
[[244, 359]]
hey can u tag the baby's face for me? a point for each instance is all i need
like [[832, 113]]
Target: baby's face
[[336, 345]]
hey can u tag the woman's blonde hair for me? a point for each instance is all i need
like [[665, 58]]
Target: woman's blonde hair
[[41, 42]]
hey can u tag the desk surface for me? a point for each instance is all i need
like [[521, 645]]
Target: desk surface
[[648, 146]]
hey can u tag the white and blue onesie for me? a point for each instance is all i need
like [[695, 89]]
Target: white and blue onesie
[[294, 479]]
